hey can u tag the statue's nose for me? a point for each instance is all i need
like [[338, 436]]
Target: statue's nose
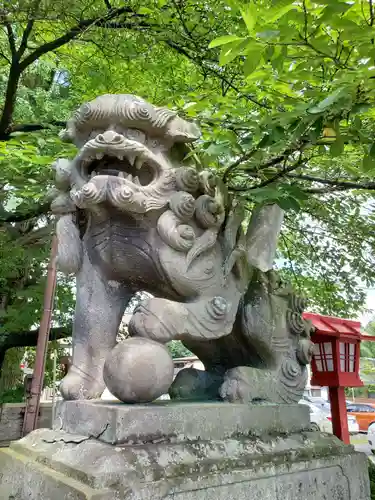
[[110, 137]]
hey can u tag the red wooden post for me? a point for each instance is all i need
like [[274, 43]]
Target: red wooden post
[[33, 401], [339, 413]]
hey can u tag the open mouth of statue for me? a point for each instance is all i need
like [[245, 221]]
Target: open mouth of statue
[[114, 155], [125, 173], [134, 170]]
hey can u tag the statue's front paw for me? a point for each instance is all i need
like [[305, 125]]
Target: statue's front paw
[[236, 387], [79, 386], [157, 319]]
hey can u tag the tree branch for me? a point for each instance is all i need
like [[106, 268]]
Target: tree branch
[[269, 163], [29, 26], [346, 184], [215, 72], [73, 33], [37, 236], [30, 338], [34, 127], [25, 37], [240, 160], [280, 174], [11, 39], [10, 99], [22, 215], [6, 58]]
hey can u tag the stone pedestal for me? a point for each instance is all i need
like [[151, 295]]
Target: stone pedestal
[[214, 451]]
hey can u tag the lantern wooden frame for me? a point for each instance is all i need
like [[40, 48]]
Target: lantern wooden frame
[[337, 350], [335, 364]]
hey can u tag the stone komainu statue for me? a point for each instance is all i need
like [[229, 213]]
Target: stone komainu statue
[[135, 213]]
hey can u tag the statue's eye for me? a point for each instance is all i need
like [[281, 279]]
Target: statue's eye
[[153, 144], [136, 135], [95, 133]]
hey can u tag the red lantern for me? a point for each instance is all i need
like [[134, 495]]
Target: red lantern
[[335, 363]]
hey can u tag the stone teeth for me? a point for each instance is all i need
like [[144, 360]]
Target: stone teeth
[[131, 159], [129, 177], [136, 180], [99, 156], [121, 174], [93, 174], [138, 163]]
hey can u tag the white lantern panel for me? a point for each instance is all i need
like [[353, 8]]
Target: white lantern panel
[[323, 357], [347, 357]]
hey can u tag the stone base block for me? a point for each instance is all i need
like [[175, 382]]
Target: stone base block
[[270, 465], [119, 423]]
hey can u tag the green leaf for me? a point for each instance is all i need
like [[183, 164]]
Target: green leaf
[[189, 105], [231, 51], [337, 147], [279, 4], [249, 15], [145, 10], [216, 149], [280, 11], [253, 58], [295, 191], [327, 102], [368, 163], [288, 203], [361, 107], [223, 40], [372, 150], [266, 141], [264, 194], [227, 54], [269, 52]]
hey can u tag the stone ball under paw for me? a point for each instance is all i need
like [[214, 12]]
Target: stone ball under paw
[[138, 370]]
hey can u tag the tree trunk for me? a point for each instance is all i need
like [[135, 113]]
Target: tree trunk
[[11, 373], [2, 357], [10, 101]]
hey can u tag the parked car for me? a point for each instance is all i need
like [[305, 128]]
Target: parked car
[[364, 413], [353, 425], [321, 419], [371, 437], [315, 400]]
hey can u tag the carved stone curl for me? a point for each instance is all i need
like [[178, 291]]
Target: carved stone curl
[[207, 211], [187, 179], [182, 205], [207, 181], [175, 234]]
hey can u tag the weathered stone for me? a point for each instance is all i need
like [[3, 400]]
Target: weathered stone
[[22, 478], [136, 213], [54, 465], [117, 423], [11, 420], [138, 370]]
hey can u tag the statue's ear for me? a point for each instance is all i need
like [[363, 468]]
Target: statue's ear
[[181, 130]]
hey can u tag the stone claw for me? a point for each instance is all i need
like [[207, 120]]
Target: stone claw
[[77, 385]]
